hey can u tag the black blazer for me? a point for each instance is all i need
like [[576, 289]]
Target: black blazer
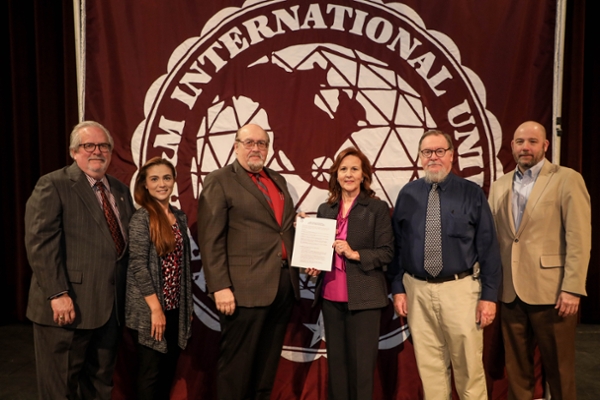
[[370, 233]]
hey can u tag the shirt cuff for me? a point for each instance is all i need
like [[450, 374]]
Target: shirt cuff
[[57, 295]]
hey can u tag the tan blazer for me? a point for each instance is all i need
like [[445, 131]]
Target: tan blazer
[[551, 250], [240, 238], [69, 247]]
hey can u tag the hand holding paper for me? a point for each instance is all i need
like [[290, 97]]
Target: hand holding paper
[[313, 243]]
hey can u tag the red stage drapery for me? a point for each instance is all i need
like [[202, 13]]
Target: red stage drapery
[[177, 79]]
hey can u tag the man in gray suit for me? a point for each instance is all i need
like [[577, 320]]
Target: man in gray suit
[[245, 234], [75, 235]]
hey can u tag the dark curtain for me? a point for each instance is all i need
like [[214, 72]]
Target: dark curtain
[[580, 141], [40, 108]]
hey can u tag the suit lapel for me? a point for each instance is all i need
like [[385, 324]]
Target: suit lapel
[[508, 200], [288, 204], [241, 175], [332, 211], [120, 202], [82, 188], [536, 193]]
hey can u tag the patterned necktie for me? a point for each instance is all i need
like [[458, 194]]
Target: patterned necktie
[[111, 219], [433, 234], [256, 178], [263, 189]]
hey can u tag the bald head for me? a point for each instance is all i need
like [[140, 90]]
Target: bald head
[[529, 144], [532, 126], [250, 128], [251, 147]]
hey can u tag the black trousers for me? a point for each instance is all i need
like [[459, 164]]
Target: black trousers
[[250, 346], [156, 370], [75, 363], [352, 339]]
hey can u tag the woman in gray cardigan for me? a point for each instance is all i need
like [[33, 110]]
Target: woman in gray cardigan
[[158, 304]]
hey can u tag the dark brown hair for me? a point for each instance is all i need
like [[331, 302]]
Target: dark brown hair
[[335, 190], [161, 232]]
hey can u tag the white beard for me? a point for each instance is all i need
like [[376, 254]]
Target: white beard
[[256, 166], [436, 177]]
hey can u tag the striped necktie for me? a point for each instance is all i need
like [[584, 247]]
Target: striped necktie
[[111, 219], [263, 188]]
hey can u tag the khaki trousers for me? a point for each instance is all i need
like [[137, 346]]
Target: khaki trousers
[[441, 318]]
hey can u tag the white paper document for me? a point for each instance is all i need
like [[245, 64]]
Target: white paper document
[[312, 244]]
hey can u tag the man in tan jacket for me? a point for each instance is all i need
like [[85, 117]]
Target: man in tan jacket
[[543, 219]]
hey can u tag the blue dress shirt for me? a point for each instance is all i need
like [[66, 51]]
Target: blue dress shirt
[[522, 187], [468, 233]]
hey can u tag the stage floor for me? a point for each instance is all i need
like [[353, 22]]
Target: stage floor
[[17, 362]]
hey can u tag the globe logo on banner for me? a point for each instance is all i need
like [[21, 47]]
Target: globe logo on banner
[[318, 77]]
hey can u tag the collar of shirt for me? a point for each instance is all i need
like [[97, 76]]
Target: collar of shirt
[[110, 196], [522, 187], [92, 181], [261, 173], [443, 185], [532, 172]]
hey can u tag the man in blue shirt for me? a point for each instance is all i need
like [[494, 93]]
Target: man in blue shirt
[[446, 272]]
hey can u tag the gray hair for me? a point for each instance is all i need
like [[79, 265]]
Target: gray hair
[[437, 132], [237, 133], [76, 135]]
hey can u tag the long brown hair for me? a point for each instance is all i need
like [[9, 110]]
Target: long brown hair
[[335, 190], [161, 232]]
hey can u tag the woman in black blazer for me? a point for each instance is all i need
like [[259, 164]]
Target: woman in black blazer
[[354, 292]]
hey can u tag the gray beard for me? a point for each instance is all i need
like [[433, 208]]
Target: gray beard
[[436, 177], [526, 165], [256, 167]]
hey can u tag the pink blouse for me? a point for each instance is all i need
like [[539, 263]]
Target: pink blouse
[[335, 287]]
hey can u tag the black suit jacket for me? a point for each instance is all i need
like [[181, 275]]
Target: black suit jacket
[[370, 233], [69, 247], [240, 238]]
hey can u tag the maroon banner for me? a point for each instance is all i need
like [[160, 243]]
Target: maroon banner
[[177, 79]]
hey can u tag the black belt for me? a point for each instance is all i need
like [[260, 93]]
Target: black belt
[[284, 264], [455, 277]]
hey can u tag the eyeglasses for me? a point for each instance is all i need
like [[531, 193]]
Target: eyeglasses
[[249, 144], [91, 147], [427, 153]]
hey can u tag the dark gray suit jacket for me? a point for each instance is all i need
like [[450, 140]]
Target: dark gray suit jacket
[[370, 233], [239, 237], [69, 247]]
